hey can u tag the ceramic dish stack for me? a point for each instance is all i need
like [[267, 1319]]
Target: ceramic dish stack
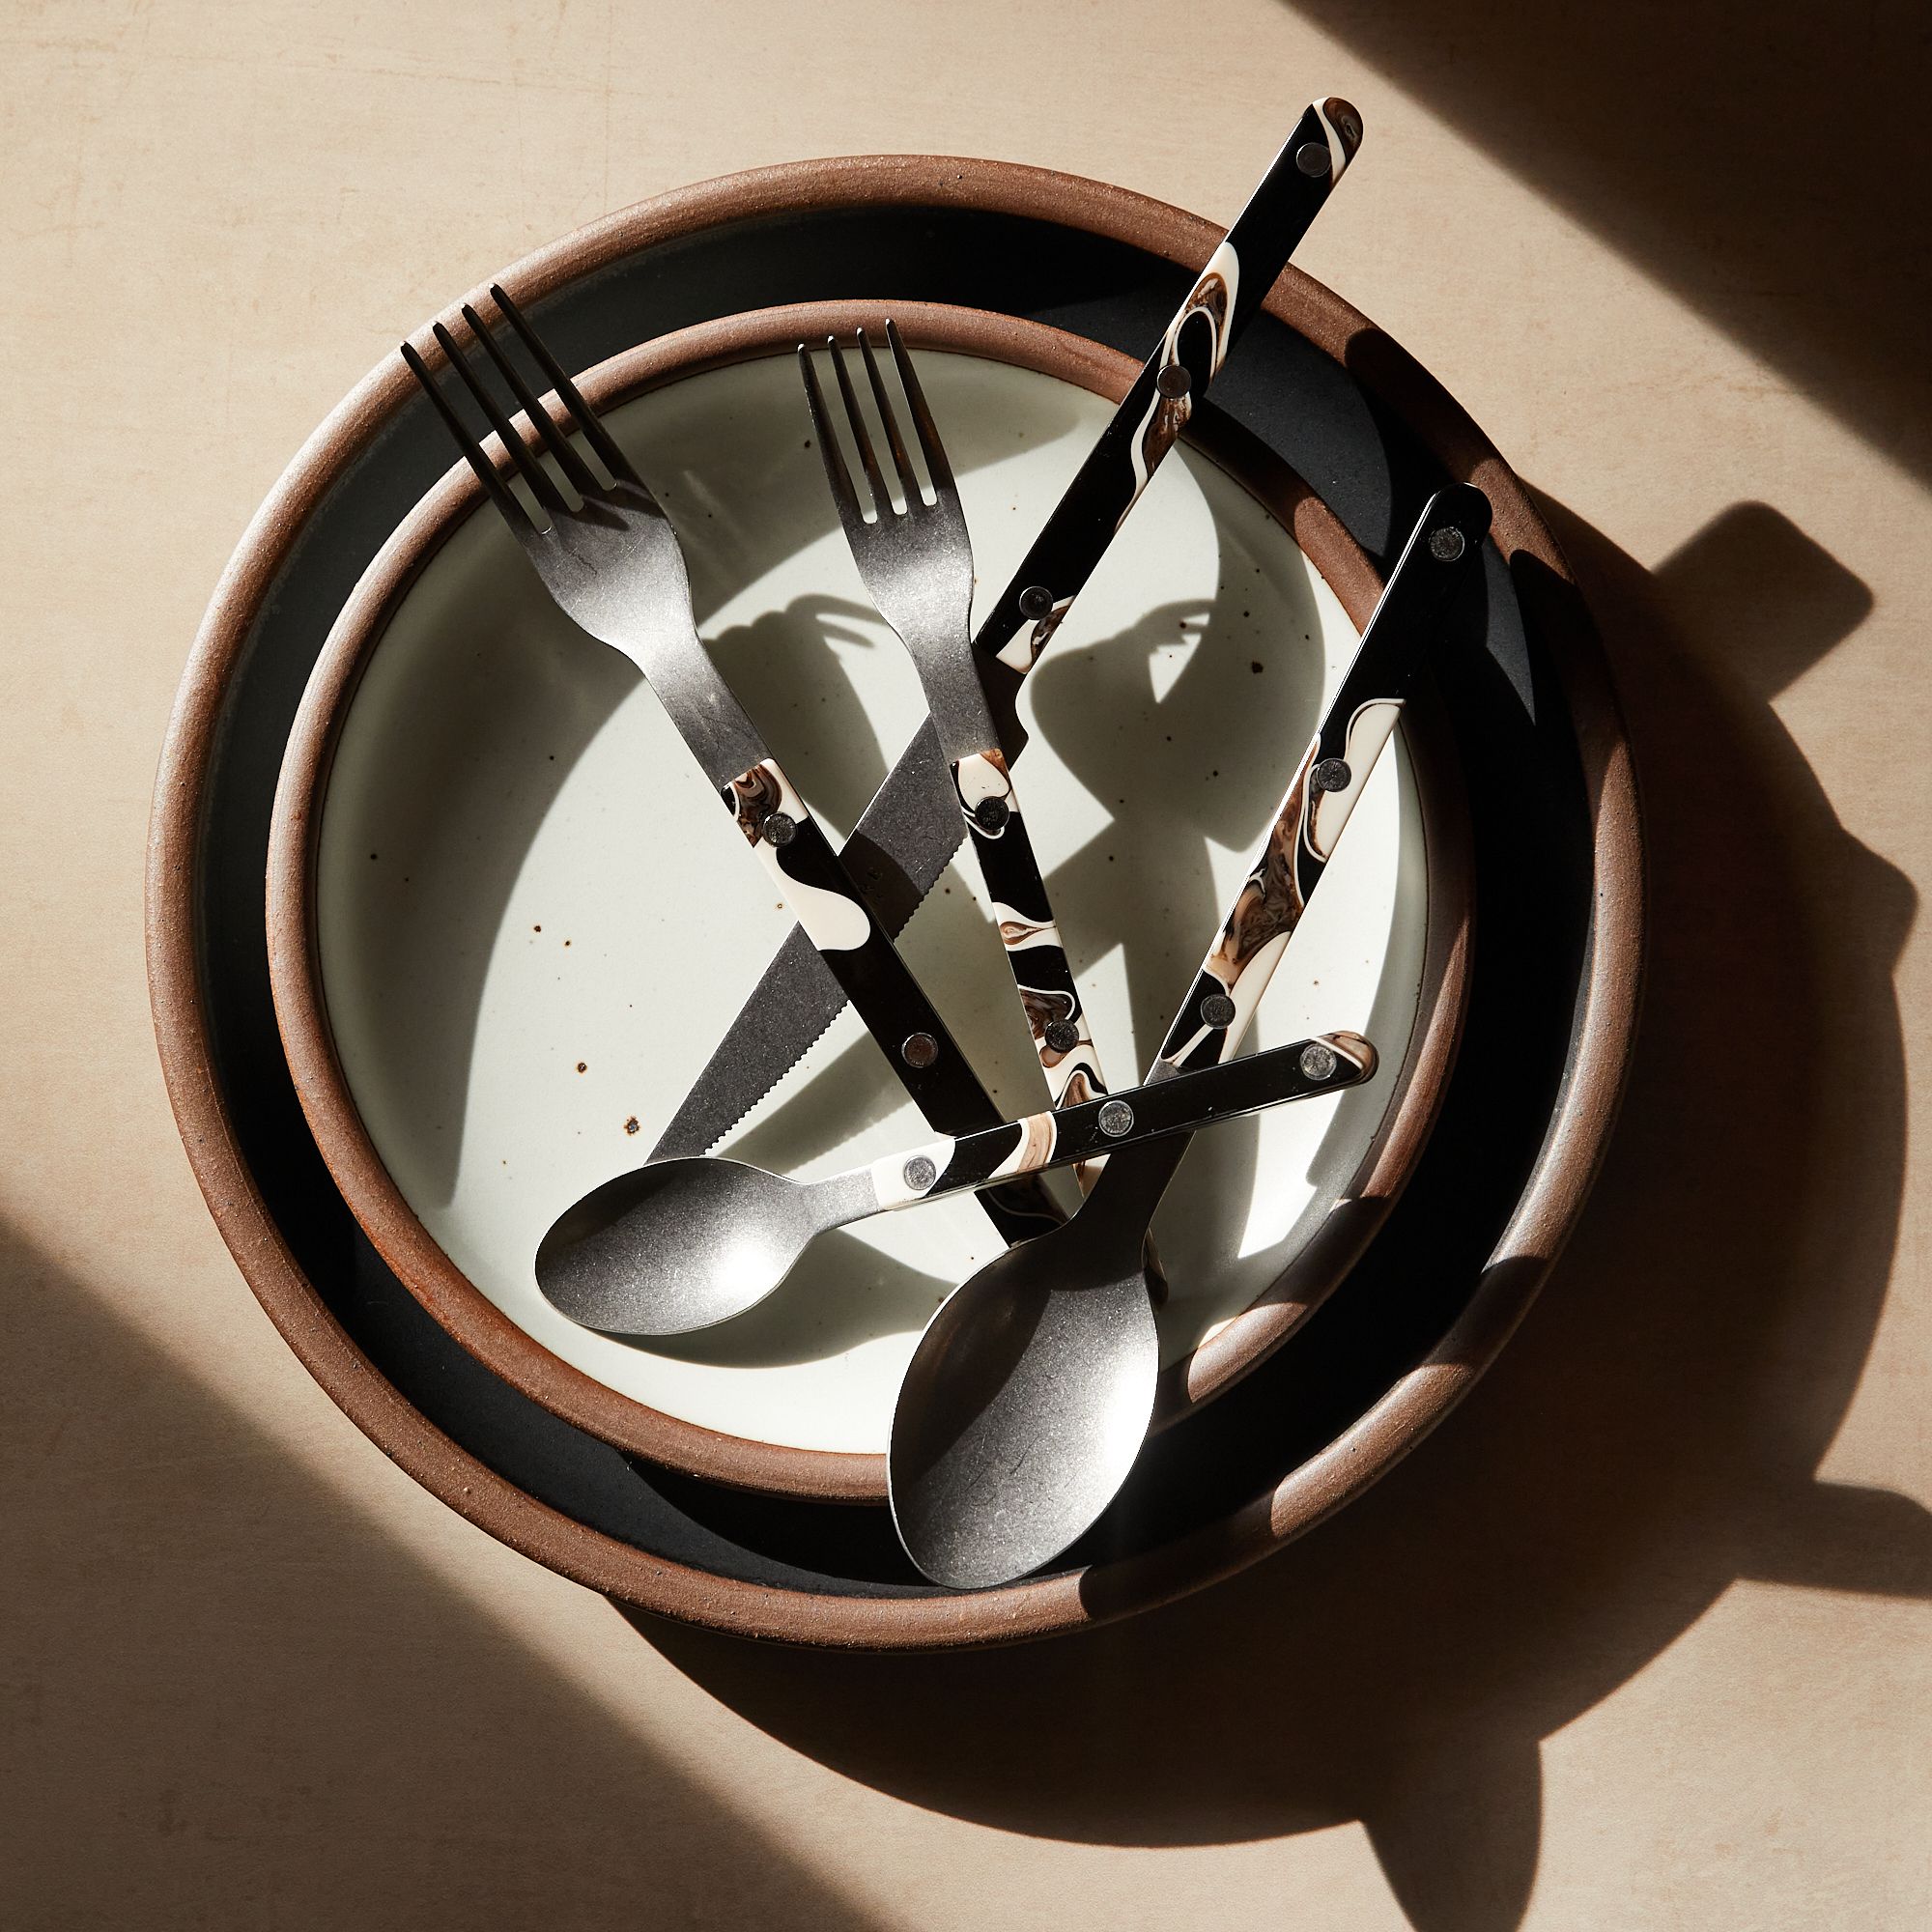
[[479, 936], [490, 859]]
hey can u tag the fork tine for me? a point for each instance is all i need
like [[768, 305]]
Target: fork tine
[[915, 495], [882, 500], [500, 493], [929, 444], [559, 445], [528, 464], [835, 471], [580, 412]]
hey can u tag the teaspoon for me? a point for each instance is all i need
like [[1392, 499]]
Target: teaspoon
[[684, 1244]]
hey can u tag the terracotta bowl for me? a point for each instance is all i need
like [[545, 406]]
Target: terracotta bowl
[[1558, 856], [488, 944]]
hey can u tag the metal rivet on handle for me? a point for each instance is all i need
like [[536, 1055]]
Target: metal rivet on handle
[[921, 1049], [990, 815], [1035, 602], [1312, 158], [1116, 1118], [780, 828], [920, 1173], [1317, 1060], [1063, 1035], [1330, 774], [1217, 1010], [1173, 382], [1446, 545]]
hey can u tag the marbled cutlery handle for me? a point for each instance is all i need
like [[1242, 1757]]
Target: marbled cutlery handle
[[1028, 930], [1224, 298], [1183, 1103], [1442, 550], [1445, 547]]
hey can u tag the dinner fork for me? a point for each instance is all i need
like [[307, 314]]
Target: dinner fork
[[917, 566], [612, 563]]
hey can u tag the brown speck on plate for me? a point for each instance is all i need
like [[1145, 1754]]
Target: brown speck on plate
[[631, 1125], [1255, 665], [583, 1066]]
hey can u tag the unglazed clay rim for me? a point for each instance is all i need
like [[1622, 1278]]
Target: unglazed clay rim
[[1560, 1178], [413, 1254]]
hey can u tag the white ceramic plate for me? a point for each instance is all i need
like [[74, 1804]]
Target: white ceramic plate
[[534, 923]]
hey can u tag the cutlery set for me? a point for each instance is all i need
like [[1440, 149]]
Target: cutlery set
[[1032, 1388]]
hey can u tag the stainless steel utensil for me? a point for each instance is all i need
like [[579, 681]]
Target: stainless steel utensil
[[917, 565], [688, 1243], [909, 833], [612, 561], [1028, 1396]]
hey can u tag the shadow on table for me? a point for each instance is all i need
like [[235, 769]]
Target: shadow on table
[[226, 1699], [1651, 1436], [1770, 163]]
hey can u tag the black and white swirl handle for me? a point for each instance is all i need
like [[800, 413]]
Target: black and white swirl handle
[[1068, 1135], [1163, 396], [1027, 929], [835, 917], [1442, 550]]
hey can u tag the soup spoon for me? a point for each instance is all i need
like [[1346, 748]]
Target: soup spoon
[[1028, 1396], [684, 1244]]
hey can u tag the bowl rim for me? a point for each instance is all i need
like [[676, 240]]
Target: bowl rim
[[327, 1100], [1564, 1166]]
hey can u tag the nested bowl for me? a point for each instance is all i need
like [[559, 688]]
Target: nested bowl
[[1555, 837]]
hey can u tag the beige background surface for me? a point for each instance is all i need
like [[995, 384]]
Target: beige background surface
[[1639, 1640]]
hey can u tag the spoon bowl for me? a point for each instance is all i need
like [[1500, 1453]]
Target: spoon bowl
[[1027, 1403], [695, 1241]]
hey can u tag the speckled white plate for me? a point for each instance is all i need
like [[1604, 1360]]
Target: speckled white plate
[[509, 922]]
